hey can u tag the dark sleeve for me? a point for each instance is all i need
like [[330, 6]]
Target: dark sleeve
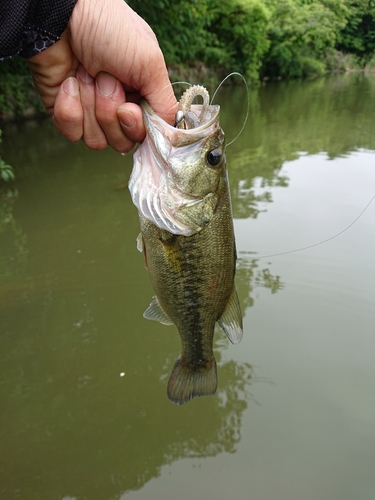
[[29, 26]]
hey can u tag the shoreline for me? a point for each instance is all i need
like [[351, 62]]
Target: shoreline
[[195, 74]]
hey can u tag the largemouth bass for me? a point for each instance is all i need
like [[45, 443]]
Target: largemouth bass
[[179, 184]]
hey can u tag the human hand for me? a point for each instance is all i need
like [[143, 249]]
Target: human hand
[[92, 79]]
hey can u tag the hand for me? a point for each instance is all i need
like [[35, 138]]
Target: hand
[[93, 78]]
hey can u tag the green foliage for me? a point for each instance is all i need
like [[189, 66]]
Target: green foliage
[[238, 40], [358, 36], [16, 88], [301, 33], [277, 38], [6, 171], [229, 35], [178, 25]]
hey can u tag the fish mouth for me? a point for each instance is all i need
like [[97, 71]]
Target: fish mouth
[[180, 137]]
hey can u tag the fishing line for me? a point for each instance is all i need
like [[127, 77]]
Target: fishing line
[[179, 83], [235, 73], [175, 83], [320, 242]]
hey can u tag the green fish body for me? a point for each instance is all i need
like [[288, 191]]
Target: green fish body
[[188, 243]]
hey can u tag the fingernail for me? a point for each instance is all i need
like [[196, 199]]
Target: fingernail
[[71, 86], [127, 119], [83, 75], [106, 84]]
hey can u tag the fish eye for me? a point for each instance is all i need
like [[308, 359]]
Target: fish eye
[[214, 157]]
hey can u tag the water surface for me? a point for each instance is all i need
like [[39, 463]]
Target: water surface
[[84, 412]]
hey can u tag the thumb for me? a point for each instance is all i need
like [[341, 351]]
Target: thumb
[[159, 94]]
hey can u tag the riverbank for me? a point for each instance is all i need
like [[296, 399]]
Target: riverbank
[[21, 101]]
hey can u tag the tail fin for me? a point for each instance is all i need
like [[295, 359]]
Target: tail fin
[[186, 383]]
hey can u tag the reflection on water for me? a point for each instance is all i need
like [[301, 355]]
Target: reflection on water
[[250, 276], [334, 115], [84, 412]]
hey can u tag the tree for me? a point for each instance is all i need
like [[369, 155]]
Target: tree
[[178, 25], [238, 40], [301, 33], [358, 36]]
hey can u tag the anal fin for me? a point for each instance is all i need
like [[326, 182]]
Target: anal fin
[[231, 319]]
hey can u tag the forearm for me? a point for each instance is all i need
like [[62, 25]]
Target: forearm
[[27, 27]]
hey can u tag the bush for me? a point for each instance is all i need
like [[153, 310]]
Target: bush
[[229, 35], [358, 35], [178, 25], [6, 171], [17, 91], [238, 41], [301, 34]]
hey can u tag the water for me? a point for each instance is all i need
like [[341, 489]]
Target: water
[[84, 412]]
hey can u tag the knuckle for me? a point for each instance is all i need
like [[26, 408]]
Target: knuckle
[[65, 116], [105, 117], [72, 131]]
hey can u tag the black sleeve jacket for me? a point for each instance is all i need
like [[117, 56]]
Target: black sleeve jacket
[[29, 26]]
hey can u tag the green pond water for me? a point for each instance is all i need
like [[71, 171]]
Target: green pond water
[[83, 408]]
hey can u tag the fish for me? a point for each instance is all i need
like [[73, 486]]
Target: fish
[[179, 184]]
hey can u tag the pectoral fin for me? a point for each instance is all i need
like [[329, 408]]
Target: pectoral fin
[[141, 248], [140, 243], [231, 319], [156, 313]]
